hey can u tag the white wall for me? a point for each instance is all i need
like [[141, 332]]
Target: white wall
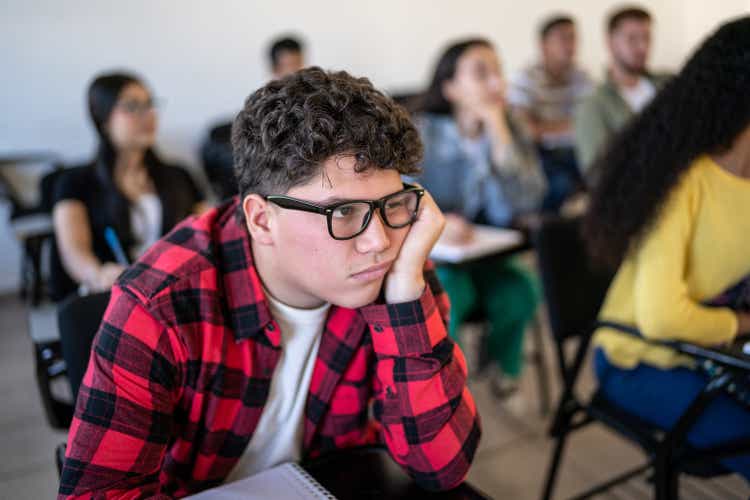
[[205, 57]]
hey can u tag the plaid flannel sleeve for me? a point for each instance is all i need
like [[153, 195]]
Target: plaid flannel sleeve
[[123, 416], [429, 419]]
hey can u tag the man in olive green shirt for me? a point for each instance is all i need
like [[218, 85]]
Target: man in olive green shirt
[[629, 87]]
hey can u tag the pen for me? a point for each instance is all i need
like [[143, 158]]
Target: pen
[[114, 244]]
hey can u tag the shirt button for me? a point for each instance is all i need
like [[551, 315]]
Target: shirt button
[[378, 328], [270, 327]]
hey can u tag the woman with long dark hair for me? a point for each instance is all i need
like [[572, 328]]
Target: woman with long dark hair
[[480, 167], [672, 209], [126, 194]]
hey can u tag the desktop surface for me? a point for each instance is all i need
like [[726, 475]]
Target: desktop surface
[[369, 473]]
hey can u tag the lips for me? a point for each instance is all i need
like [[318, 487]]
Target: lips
[[373, 272]]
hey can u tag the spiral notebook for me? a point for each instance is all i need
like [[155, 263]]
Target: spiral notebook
[[287, 481]]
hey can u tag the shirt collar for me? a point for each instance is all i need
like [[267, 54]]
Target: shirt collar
[[249, 313]]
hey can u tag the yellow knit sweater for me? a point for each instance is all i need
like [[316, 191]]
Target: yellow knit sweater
[[698, 247]]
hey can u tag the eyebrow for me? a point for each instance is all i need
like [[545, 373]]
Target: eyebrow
[[336, 199], [333, 199]]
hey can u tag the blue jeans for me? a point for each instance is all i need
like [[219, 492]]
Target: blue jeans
[[563, 177], [662, 396]]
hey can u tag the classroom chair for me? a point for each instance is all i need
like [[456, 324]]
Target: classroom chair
[[26, 183], [574, 291]]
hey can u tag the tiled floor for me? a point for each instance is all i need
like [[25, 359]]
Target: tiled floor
[[511, 461]]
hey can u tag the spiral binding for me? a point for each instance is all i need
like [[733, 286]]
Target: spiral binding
[[312, 485]]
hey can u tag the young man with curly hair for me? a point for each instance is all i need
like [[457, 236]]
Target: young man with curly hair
[[299, 318]]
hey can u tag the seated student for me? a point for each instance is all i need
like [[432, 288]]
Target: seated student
[[285, 56], [126, 187], [673, 205], [545, 95], [628, 89], [299, 319], [481, 168]]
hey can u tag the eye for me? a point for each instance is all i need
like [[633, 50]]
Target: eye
[[343, 211], [130, 106], [395, 203]]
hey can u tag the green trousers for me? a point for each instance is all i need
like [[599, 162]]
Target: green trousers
[[505, 293]]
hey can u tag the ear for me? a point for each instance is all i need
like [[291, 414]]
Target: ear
[[258, 218], [609, 42], [542, 45]]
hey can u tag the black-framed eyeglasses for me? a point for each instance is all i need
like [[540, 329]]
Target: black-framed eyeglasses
[[348, 219], [136, 107]]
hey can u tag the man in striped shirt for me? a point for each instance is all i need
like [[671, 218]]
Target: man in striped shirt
[[545, 95]]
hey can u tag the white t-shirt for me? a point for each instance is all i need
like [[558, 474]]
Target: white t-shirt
[[145, 221], [278, 436], [639, 95]]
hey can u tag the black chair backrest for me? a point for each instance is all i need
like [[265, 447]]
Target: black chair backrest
[[574, 289], [411, 101], [218, 164], [78, 319], [17, 176]]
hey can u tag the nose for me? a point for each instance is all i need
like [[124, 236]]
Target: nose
[[375, 238]]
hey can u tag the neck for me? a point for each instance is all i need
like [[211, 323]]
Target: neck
[[469, 124], [737, 160], [622, 77], [130, 159], [556, 71], [274, 279]]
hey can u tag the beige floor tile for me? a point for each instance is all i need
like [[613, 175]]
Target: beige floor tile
[[37, 484]]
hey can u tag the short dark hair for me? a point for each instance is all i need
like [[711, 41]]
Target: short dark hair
[[625, 13], [289, 127], [553, 22], [288, 44]]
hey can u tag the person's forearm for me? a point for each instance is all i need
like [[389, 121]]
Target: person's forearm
[[82, 266], [104, 456], [500, 138], [403, 288], [446, 431], [421, 374], [555, 127]]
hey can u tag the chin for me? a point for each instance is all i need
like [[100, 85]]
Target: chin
[[146, 141], [357, 298]]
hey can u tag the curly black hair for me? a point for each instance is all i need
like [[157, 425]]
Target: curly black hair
[[700, 111], [289, 127]]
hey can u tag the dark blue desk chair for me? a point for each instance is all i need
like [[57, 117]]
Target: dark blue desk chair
[[78, 320]]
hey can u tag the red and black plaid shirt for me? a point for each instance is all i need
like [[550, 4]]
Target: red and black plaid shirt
[[181, 368]]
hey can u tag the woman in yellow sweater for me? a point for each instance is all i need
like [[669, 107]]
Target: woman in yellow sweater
[[673, 210]]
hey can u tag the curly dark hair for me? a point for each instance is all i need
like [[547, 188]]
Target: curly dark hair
[[701, 110], [289, 127]]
